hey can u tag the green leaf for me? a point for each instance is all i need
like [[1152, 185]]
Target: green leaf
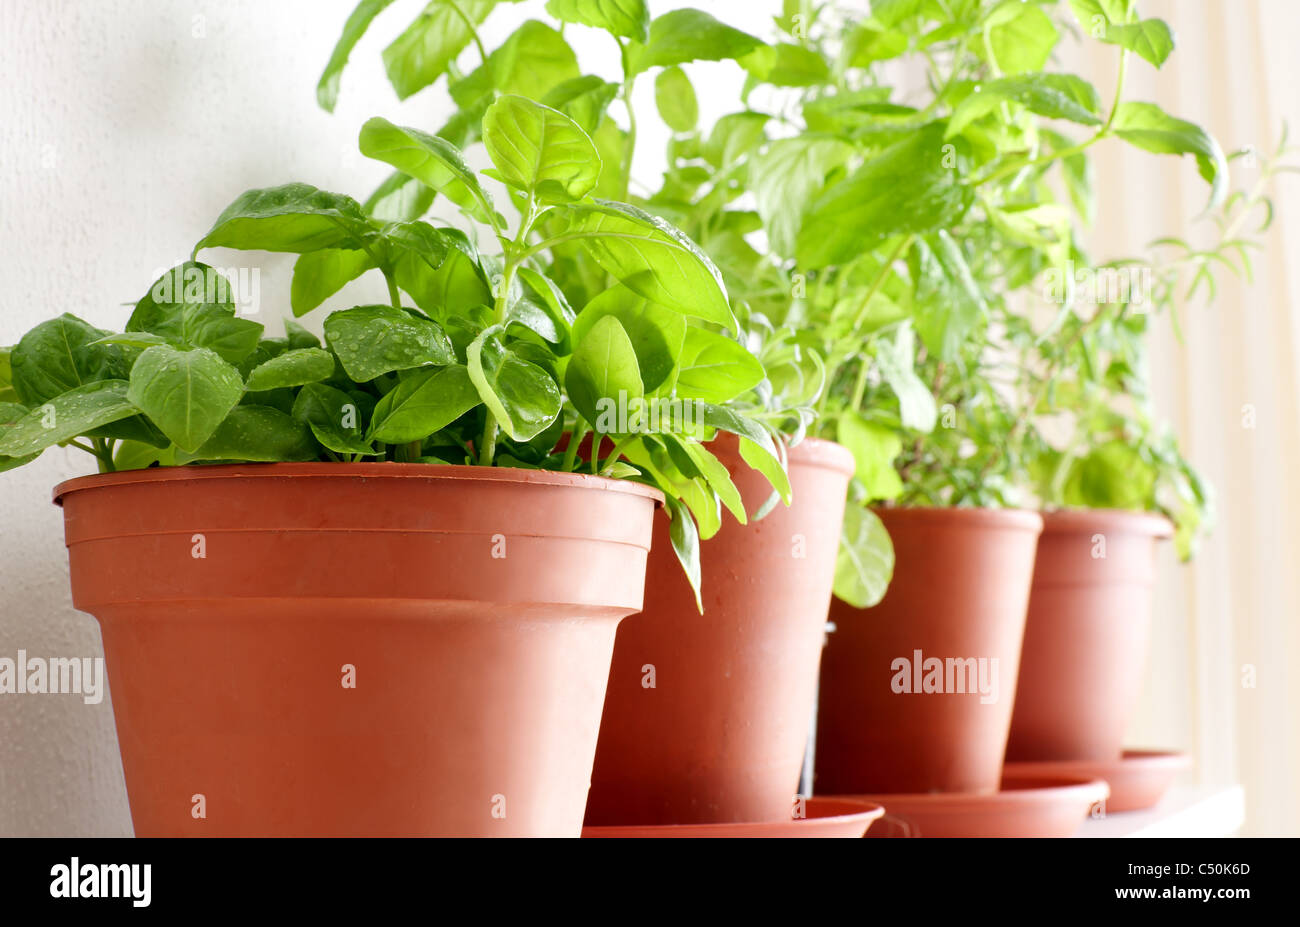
[[1149, 127], [318, 275], [1111, 476], [60, 355], [294, 217], [292, 368], [431, 160], [680, 36], [424, 402], [186, 394], [531, 62], [733, 137], [400, 198], [908, 188], [334, 417], [327, 89], [785, 178], [675, 99], [1150, 38], [192, 306], [542, 292], [583, 99], [521, 396], [685, 539], [873, 41], [947, 303], [298, 337], [1021, 36], [374, 340], [916, 403], [865, 562], [1056, 96], [7, 392], [719, 479], [603, 370], [874, 448], [756, 446], [540, 150], [627, 18], [786, 65], [258, 433], [716, 368], [656, 333], [652, 258], [66, 416], [422, 54]]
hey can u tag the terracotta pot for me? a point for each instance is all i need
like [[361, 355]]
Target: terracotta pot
[[1086, 638], [356, 649], [822, 817], [720, 737], [959, 593]]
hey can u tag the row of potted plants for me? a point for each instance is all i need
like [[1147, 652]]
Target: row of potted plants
[[815, 347]]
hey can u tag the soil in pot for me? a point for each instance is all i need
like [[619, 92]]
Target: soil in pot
[[707, 715], [1086, 637], [917, 692], [357, 649]]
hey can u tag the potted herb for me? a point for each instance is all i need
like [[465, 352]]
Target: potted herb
[[389, 607], [682, 682]]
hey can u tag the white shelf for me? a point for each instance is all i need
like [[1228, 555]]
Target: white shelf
[[1185, 811]]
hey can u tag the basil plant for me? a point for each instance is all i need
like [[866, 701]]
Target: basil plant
[[477, 359]]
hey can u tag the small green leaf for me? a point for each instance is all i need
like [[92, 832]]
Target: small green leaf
[[916, 403], [422, 54], [532, 61], [1150, 38], [685, 539], [1149, 127], [66, 416], [424, 402], [294, 217], [787, 65], [292, 368], [299, 337], [334, 417], [1056, 96], [327, 89], [627, 18], [603, 370], [400, 198], [374, 340], [717, 475], [656, 333], [675, 99], [865, 562], [521, 396], [186, 394], [60, 355], [874, 448], [786, 177], [540, 150], [432, 160], [1021, 36], [318, 275], [258, 433], [716, 368], [680, 36], [583, 99]]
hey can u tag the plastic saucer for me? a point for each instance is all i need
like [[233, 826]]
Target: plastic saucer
[[1033, 805], [1138, 779], [824, 817]]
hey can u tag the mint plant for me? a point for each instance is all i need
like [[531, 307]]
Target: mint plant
[[491, 366]]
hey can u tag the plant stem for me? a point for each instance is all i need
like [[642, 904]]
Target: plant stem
[[105, 454], [575, 438], [615, 454], [394, 296], [629, 146], [473, 30]]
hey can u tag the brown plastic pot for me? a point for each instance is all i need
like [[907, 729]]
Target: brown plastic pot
[[959, 592], [356, 649], [1086, 637], [720, 737]]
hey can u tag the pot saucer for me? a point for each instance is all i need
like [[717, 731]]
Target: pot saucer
[[826, 817], [1028, 805], [1138, 779]]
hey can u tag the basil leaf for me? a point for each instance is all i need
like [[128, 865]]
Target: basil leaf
[[675, 99], [532, 61], [916, 404], [680, 36], [521, 396], [7, 392], [67, 416], [717, 475], [422, 53], [292, 368], [318, 275], [627, 18], [294, 217], [715, 368], [787, 65], [433, 161], [258, 433], [685, 539], [400, 198], [583, 99], [1056, 96], [947, 304], [1152, 39], [603, 367], [327, 89], [874, 448], [374, 340], [60, 355], [424, 402], [1020, 36], [786, 177], [540, 150], [652, 258], [298, 337], [1149, 127], [864, 564], [656, 334], [334, 417], [187, 394], [541, 291]]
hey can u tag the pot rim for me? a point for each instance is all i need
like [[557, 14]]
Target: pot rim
[[1132, 521], [367, 470], [821, 452], [1007, 519]]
